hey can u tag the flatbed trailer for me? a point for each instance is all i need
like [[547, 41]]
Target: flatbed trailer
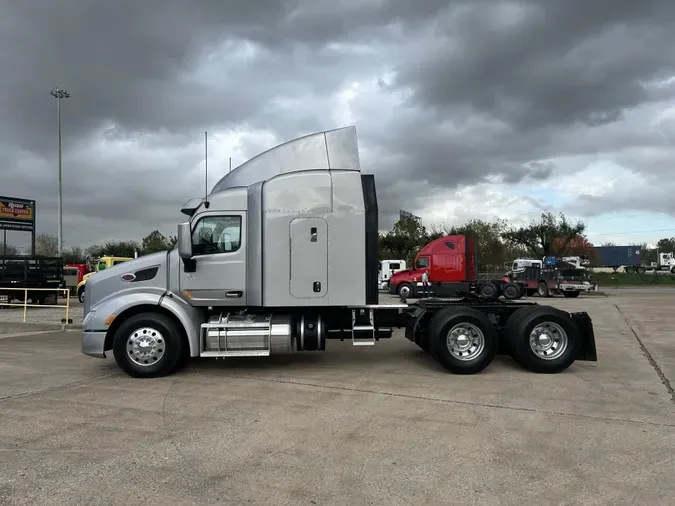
[[252, 275], [30, 272]]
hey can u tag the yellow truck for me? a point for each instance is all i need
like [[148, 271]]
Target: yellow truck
[[101, 264]]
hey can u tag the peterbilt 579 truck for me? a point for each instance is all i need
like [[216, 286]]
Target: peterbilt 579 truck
[[282, 257]]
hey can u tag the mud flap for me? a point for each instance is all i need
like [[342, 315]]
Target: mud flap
[[588, 350]]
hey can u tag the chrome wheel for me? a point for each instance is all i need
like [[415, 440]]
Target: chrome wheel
[[404, 291], [465, 341], [548, 340], [145, 346]]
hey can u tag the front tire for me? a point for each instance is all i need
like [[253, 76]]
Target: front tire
[[149, 345], [543, 339], [80, 295], [542, 289], [462, 340], [571, 294], [405, 290]]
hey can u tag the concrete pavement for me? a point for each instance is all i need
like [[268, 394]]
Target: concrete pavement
[[380, 425]]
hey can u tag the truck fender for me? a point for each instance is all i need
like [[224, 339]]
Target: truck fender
[[189, 317], [95, 320]]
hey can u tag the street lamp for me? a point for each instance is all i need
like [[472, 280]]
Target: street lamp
[[60, 94]]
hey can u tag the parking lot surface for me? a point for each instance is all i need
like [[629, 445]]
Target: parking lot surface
[[366, 425]]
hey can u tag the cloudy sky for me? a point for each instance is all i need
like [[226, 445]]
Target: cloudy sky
[[480, 108]]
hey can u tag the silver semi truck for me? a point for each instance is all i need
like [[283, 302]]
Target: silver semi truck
[[281, 257]]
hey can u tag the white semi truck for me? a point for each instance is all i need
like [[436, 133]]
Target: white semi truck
[[282, 257]]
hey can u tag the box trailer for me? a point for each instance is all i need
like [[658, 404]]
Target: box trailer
[[282, 257], [616, 256]]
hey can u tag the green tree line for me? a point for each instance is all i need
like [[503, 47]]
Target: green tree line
[[499, 241], [496, 242], [47, 245]]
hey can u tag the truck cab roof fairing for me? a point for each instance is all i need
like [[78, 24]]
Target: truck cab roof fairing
[[332, 149]]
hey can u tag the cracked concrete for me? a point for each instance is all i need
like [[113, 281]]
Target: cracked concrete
[[381, 425]]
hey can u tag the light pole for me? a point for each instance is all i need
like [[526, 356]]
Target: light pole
[[60, 94]]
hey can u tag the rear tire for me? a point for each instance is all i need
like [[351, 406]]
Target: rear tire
[[149, 345], [512, 291], [462, 340], [542, 339], [489, 289]]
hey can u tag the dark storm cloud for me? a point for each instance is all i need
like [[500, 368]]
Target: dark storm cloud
[[561, 62], [493, 88], [131, 61]]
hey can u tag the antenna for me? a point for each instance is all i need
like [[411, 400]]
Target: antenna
[[206, 169], [230, 164]]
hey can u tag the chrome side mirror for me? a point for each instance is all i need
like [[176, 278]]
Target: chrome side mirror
[[184, 240]]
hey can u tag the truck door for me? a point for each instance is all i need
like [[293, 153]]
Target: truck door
[[219, 251]]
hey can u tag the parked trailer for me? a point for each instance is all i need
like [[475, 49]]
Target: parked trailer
[[616, 256], [281, 257], [23, 271]]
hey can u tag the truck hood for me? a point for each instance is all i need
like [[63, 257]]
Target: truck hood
[[405, 274], [109, 281]]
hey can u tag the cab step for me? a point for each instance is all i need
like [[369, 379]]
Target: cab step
[[363, 332]]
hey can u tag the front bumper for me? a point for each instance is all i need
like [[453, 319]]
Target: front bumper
[[93, 343], [574, 287]]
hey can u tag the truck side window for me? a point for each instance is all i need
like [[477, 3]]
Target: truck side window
[[422, 263], [216, 234]]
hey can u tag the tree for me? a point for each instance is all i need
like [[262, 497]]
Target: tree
[[578, 246], [154, 242], [113, 248], [492, 250], [46, 245], [74, 255], [547, 236], [404, 240], [666, 245], [9, 250]]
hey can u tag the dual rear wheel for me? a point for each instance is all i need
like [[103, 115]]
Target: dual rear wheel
[[542, 339]]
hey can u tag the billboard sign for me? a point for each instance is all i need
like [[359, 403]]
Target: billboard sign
[[405, 215], [17, 214]]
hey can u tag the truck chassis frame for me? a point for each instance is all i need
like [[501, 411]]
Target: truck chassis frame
[[462, 335]]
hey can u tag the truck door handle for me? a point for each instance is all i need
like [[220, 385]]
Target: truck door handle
[[233, 295]]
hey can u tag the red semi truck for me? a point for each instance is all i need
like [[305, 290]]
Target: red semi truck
[[451, 264]]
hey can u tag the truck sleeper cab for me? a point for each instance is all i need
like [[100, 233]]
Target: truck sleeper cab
[[281, 257]]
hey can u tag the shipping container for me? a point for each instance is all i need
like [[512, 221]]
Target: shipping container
[[616, 256]]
